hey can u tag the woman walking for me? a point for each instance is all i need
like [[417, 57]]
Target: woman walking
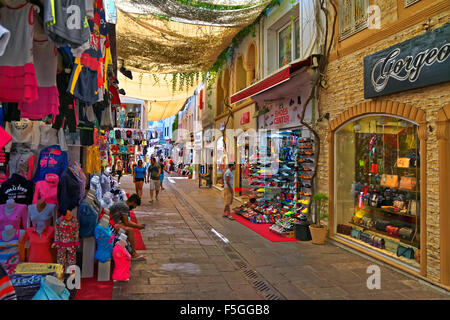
[[139, 175]]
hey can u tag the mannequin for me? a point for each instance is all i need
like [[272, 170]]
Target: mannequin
[[40, 238], [122, 260], [13, 214], [10, 239], [105, 180], [66, 239], [107, 200], [96, 186], [41, 211], [104, 239]]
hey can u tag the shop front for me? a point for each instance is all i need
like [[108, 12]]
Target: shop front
[[387, 158], [280, 155]]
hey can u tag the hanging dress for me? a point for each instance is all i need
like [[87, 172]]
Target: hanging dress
[[17, 74]]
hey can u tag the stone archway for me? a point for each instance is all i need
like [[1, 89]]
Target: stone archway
[[443, 137], [393, 108]]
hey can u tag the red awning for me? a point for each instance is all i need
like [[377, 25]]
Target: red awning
[[270, 82]]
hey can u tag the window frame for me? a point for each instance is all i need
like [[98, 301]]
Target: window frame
[[353, 27], [293, 48]]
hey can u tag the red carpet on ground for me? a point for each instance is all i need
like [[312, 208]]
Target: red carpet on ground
[[138, 242], [91, 289], [261, 229]]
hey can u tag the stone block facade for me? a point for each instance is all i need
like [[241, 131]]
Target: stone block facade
[[346, 89]]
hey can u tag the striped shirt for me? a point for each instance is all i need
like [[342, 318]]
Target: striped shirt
[[7, 291]]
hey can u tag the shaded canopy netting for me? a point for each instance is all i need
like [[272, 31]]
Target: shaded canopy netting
[[160, 100], [166, 36]]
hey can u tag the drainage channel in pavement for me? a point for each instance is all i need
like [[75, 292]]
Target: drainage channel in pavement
[[264, 289]]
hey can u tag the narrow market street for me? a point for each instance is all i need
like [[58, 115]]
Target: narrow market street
[[195, 254]]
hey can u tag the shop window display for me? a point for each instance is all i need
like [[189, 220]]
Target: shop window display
[[377, 186], [280, 179]]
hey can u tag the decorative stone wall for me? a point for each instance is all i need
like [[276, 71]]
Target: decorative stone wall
[[346, 90]]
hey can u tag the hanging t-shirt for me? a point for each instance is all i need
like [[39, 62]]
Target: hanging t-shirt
[[105, 242], [51, 160], [17, 188]]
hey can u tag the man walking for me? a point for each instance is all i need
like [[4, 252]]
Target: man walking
[[228, 191], [153, 174]]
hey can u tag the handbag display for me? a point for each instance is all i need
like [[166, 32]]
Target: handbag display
[[403, 162], [377, 242], [399, 204], [365, 237], [368, 222], [381, 225], [393, 231], [355, 234], [408, 183], [413, 207], [406, 233], [405, 252], [356, 220], [390, 246], [344, 229], [389, 180]]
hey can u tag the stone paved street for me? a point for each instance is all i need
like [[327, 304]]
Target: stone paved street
[[185, 260]]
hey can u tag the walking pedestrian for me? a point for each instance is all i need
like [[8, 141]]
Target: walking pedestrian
[[118, 168], [153, 174], [161, 176], [139, 177], [228, 191]]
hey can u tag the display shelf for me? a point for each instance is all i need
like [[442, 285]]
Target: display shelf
[[388, 236], [410, 262], [390, 211]]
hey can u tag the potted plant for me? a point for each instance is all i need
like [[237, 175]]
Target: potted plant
[[319, 231], [191, 172]]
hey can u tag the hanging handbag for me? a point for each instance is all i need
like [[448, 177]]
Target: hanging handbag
[[406, 233], [405, 252], [403, 162], [408, 183], [389, 180]]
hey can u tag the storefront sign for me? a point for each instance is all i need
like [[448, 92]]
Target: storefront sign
[[416, 63], [281, 116], [245, 118]]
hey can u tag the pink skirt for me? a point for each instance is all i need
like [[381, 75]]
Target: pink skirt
[[47, 103], [18, 84]]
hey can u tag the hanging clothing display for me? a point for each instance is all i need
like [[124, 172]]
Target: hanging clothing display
[[49, 136], [17, 188], [40, 244], [66, 240], [23, 131], [47, 189], [93, 160], [22, 160], [17, 74], [51, 160], [43, 215], [68, 191], [45, 57], [61, 28], [16, 216]]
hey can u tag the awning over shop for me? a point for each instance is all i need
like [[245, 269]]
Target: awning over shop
[[270, 81]]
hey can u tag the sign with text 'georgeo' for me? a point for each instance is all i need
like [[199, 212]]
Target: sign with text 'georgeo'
[[415, 63]]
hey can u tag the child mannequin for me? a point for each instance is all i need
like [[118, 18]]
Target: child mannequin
[[122, 260], [66, 239]]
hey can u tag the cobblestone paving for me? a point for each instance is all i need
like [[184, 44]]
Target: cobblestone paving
[[185, 262]]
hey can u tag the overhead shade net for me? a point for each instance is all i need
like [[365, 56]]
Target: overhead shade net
[[156, 90], [166, 36]]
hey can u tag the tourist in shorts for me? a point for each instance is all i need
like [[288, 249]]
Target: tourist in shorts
[[153, 174]]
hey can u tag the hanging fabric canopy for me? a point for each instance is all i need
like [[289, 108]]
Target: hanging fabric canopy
[[156, 91], [166, 36], [157, 38]]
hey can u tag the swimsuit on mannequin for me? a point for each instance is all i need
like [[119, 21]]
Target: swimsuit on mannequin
[[66, 240]]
